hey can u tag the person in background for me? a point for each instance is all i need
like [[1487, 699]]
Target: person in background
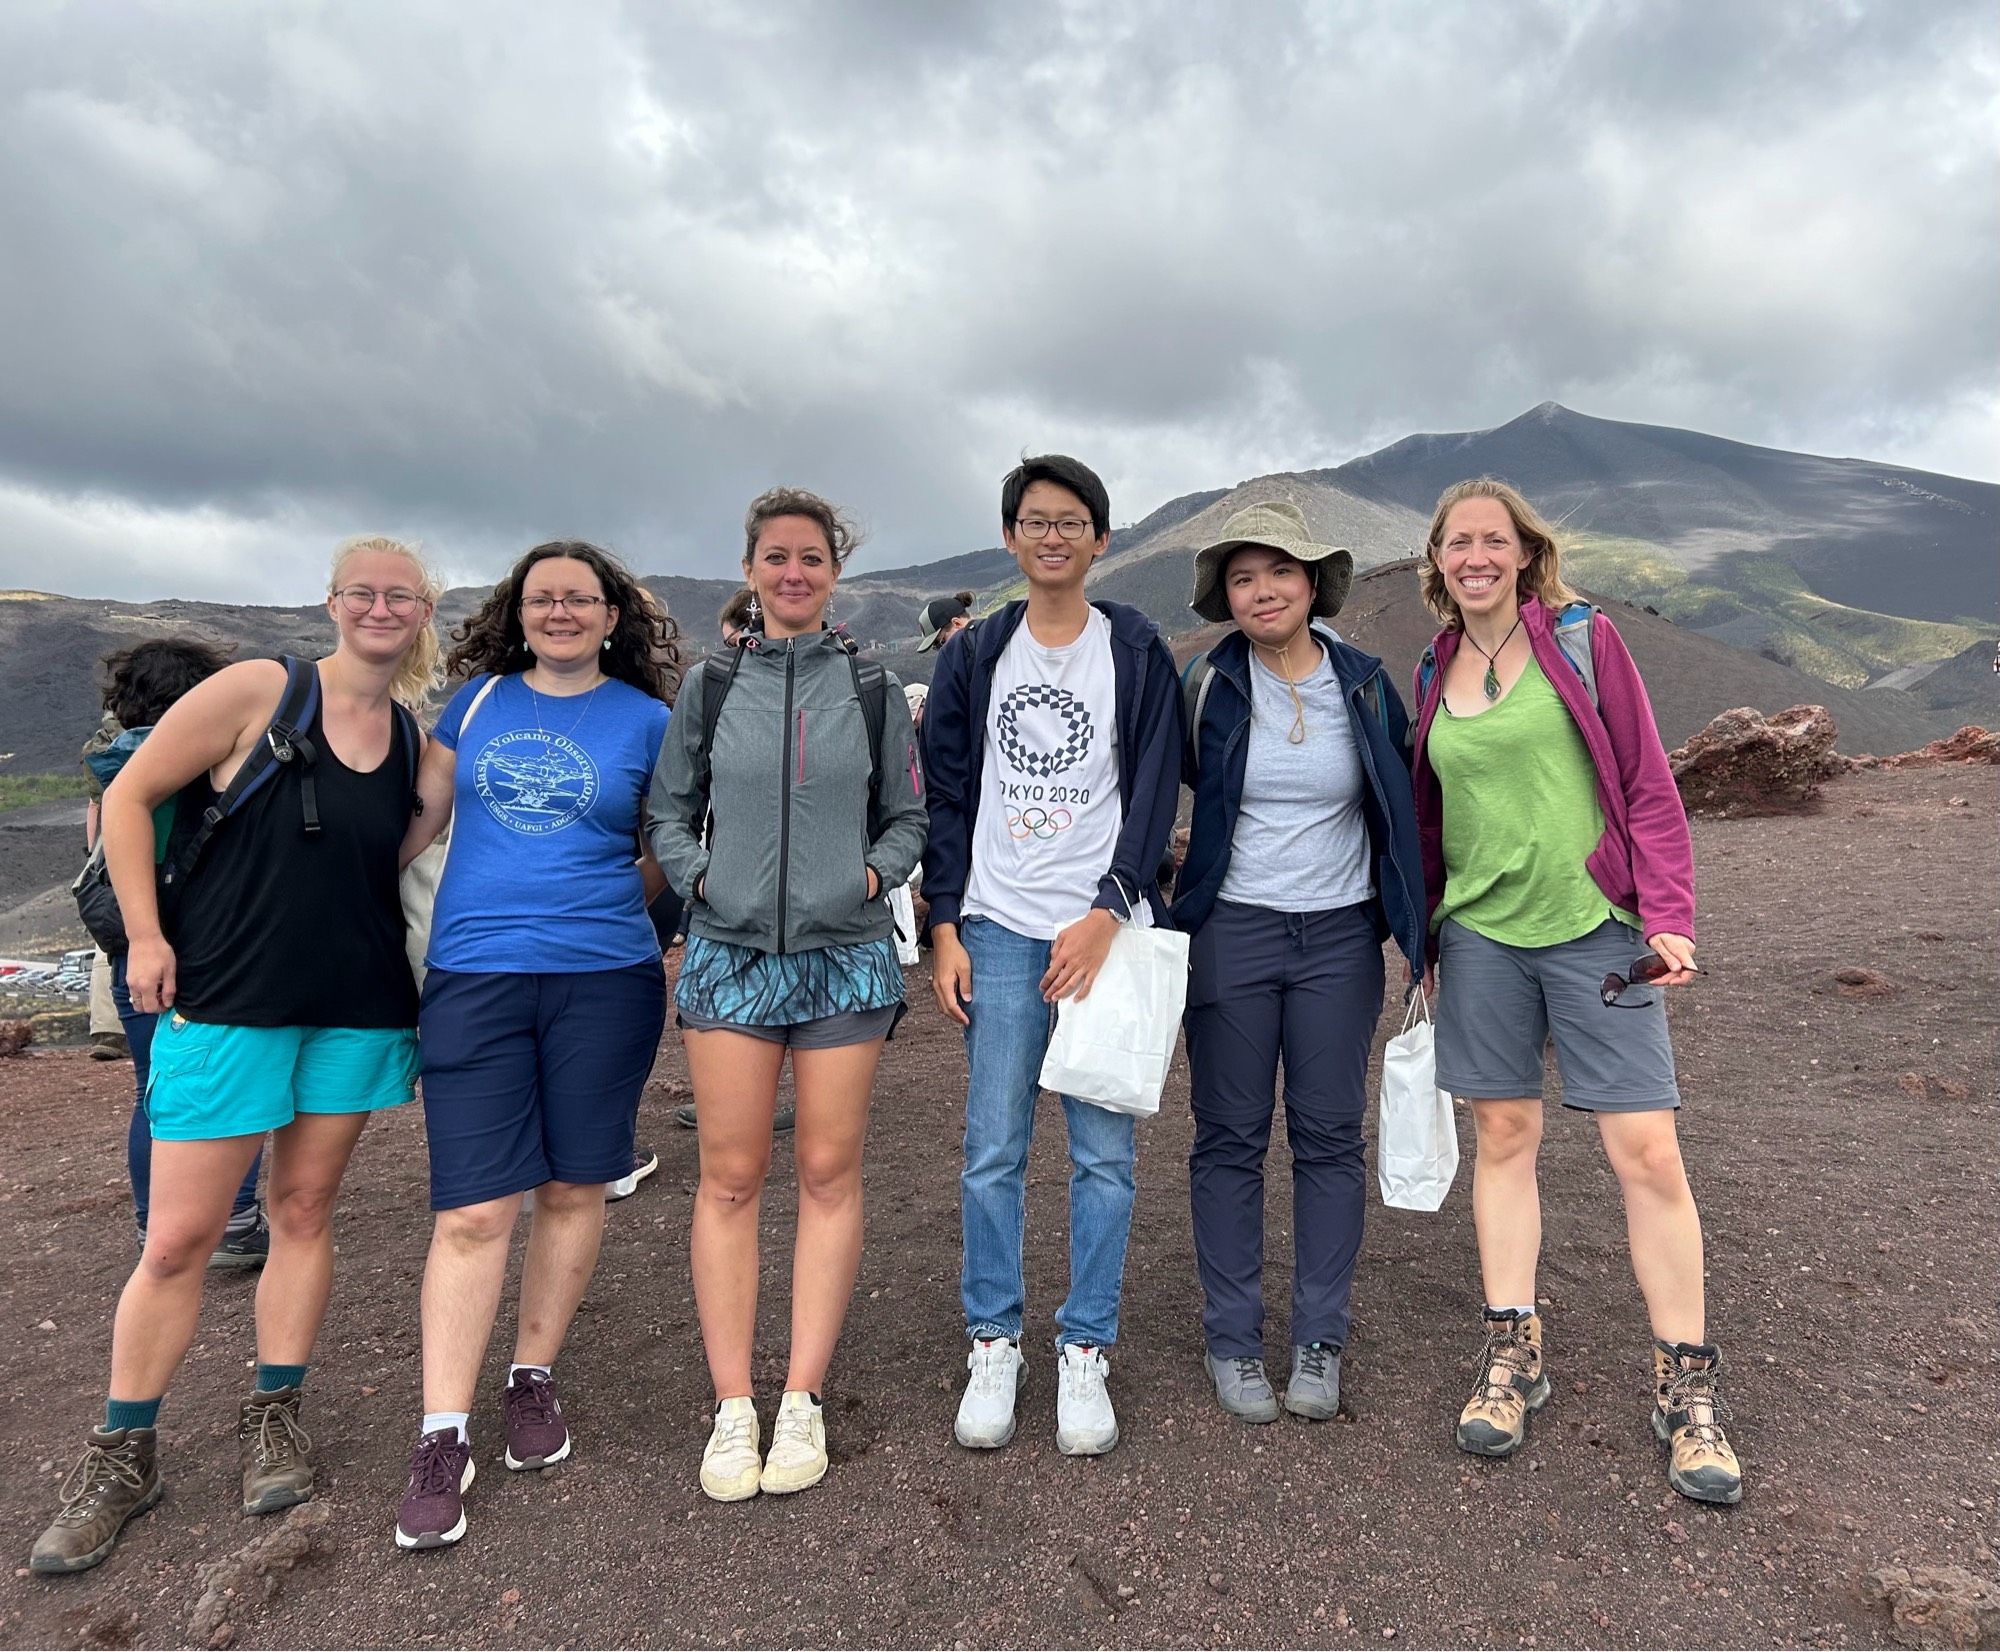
[[293, 1010], [1052, 755], [1302, 859], [140, 683], [739, 614], [941, 619], [787, 829], [1560, 876], [107, 1035]]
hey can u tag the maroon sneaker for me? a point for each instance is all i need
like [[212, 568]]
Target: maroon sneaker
[[433, 1511], [536, 1433]]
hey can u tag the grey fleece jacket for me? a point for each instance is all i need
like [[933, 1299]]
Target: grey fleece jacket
[[786, 869]]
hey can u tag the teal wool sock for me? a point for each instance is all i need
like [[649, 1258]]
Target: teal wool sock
[[130, 1414], [270, 1378]]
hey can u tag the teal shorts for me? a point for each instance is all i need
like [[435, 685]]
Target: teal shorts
[[212, 1081]]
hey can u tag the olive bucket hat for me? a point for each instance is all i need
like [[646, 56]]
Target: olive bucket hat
[[1278, 525]]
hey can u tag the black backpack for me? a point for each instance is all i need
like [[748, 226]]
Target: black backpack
[[871, 688], [285, 742]]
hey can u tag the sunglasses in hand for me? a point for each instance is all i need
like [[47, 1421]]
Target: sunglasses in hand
[[1643, 973]]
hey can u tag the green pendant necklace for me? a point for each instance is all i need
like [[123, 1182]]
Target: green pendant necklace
[[1489, 685]]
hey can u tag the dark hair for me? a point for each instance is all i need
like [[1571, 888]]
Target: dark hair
[[140, 682], [645, 643], [842, 537], [736, 611], [1065, 472]]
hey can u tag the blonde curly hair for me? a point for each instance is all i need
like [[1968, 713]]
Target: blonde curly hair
[[422, 671]]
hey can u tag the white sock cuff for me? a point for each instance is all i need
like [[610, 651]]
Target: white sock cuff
[[435, 1420]]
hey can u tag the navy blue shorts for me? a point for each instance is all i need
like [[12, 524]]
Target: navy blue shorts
[[534, 1078]]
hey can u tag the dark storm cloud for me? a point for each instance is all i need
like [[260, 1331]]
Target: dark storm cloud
[[276, 273]]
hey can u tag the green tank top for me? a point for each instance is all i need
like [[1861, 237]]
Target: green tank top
[[1520, 819]]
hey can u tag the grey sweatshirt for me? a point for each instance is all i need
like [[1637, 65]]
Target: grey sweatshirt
[[786, 869]]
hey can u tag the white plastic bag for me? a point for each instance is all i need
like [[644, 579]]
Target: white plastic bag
[[1416, 1147], [904, 911], [1113, 1048]]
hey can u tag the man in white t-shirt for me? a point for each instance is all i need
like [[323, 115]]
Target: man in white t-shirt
[[1052, 754]]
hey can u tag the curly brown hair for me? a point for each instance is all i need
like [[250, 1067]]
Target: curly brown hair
[[645, 643]]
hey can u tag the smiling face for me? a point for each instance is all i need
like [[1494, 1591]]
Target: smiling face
[[1270, 594], [379, 635], [1480, 556], [791, 568], [557, 634], [1051, 562]]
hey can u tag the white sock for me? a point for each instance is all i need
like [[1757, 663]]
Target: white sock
[[454, 1420], [514, 1371]]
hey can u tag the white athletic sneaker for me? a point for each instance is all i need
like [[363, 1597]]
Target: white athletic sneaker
[[1086, 1426], [986, 1414], [644, 1162], [797, 1458], [730, 1466]]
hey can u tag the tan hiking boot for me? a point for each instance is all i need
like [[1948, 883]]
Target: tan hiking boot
[[115, 1479], [276, 1452], [1511, 1384], [1687, 1416]]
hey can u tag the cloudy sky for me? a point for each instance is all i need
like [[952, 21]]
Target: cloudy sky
[[489, 273]]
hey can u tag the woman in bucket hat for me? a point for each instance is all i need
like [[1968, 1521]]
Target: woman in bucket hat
[[1553, 838], [1302, 859]]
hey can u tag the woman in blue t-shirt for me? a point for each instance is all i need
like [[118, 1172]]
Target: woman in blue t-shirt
[[545, 999]]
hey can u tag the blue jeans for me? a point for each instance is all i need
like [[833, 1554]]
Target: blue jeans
[[139, 1135], [1004, 1047]]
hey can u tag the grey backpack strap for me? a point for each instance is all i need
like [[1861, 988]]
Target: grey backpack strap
[[1573, 635], [1194, 698]]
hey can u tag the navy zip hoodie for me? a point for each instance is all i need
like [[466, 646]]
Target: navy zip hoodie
[[1149, 754], [1389, 806]]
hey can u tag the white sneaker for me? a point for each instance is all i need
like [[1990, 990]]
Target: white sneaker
[[644, 1162], [1086, 1426], [986, 1414], [797, 1457], [730, 1466]]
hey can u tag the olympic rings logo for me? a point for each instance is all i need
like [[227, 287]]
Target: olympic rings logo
[[1037, 823]]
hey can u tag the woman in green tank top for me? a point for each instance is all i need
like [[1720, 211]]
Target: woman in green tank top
[[1558, 853]]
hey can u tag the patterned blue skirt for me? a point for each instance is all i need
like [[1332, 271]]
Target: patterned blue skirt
[[749, 988]]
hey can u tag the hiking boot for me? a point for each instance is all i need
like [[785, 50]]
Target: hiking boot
[[1086, 1426], [730, 1467], [1511, 1384], [644, 1162], [109, 1046], [1687, 1416], [1314, 1391], [797, 1458], [432, 1515], [115, 1479], [276, 1452], [250, 1248], [684, 1115], [1241, 1388], [986, 1413], [536, 1433]]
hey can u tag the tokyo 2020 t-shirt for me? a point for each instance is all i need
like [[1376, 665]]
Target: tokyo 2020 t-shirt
[[541, 876], [1049, 812]]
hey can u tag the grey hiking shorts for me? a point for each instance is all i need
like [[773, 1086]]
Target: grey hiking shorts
[[1498, 1006]]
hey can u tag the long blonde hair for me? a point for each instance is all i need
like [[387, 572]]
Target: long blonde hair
[[422, 671], [1541, 578]]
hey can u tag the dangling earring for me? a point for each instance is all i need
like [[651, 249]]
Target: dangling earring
[[755, 611], [606, 644]]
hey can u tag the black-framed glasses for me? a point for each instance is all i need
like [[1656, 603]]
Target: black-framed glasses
[[581, 606], [1644, 971], [1037, 527], [360, 599]]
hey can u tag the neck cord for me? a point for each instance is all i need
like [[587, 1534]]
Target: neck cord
[[1489, 685]]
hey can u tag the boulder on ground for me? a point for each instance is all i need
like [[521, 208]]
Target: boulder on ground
[[16, 1036], [1745, 763], [1971, 744], [1936, 1605]]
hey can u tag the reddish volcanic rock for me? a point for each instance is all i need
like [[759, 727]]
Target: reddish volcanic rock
[[1745, 763]]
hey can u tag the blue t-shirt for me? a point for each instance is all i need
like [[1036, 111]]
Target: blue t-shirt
[[541, 875]]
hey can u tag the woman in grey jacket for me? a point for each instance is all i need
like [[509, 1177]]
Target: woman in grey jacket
[[789, 803]]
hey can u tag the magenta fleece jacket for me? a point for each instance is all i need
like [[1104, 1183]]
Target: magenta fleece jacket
[[1644, 863]]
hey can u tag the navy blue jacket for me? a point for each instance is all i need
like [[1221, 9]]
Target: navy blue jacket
[[1149, 754], [1388, 805]]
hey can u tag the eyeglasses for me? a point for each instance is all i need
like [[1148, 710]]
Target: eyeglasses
[[1644, 972], [1037, 527], [581, 606], [360, 599]]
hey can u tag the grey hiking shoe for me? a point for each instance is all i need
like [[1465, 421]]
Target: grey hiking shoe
[[1314, 1390], [1242, 1389], [114, 1480], [276, 1452]]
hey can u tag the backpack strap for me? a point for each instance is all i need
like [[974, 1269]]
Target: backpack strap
[[1195, 679], [1573, 636], [871, 688], [1427, 670], [717, 675], [1371, 698], [413, 740]]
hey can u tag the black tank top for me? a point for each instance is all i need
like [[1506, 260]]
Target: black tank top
[[278, 929]]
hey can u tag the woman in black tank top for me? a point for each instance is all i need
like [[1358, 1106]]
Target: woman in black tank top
[[286, 1005]]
